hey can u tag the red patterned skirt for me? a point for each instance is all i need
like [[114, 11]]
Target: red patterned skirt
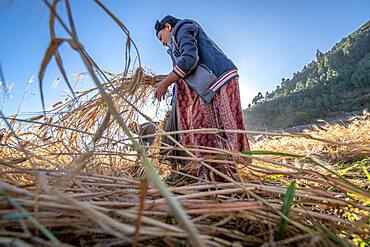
[[223, 112]]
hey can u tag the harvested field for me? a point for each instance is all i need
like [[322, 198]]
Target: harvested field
[[78, 176]]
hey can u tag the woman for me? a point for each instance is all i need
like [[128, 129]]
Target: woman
[[206, 92]]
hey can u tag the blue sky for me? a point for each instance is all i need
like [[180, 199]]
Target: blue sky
[[266, 39]]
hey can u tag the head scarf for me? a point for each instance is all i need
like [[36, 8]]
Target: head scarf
[[159, 25]]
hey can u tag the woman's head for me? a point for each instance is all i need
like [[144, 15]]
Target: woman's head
[[164, 28]]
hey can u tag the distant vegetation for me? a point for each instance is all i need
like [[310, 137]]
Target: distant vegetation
[[337, 82]]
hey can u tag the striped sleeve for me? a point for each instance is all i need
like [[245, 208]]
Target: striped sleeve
[[188, 47], [179, 71]]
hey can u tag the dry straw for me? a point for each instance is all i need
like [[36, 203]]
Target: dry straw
[[79, 176]]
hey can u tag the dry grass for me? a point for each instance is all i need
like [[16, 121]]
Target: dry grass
[[355, 135], [99, 202], [78, 176]]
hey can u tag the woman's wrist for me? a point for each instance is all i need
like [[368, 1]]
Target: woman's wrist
[[171, 78]]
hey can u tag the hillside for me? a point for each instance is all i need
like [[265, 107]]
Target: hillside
[[336, 83]]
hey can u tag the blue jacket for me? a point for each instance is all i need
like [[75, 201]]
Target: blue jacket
[[198, 60]]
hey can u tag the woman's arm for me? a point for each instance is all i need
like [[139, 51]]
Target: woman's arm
[[188, 47], [188, 60]]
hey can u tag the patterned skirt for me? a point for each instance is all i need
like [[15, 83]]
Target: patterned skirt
[[223, 112]]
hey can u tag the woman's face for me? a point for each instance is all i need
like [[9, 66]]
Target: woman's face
[[165, 34]]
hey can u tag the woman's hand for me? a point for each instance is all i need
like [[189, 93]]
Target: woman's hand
[[161, 90], [161, 87]]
